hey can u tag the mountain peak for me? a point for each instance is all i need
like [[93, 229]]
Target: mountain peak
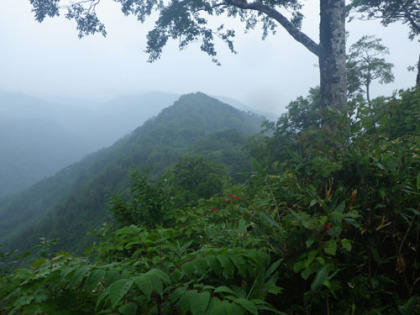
[[204, 114], [78, 194], [199, 98]]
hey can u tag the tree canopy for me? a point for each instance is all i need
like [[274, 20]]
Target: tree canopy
[[188, 21], [366, 63], [391, 11]]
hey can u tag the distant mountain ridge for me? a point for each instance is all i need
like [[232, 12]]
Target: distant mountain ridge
[[38, 138], [74, 201]]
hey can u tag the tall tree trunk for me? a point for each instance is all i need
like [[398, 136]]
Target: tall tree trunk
[[418, 74], [332, 54], [368, 95]]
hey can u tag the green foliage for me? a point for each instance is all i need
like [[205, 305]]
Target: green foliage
[[186, 20], [399, 116], [195, 177], [332, 227], [278, 138], [365, 64], [148, 203], [138, 270], [391, 11]]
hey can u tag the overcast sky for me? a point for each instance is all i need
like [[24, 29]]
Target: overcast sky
[[47, 60]]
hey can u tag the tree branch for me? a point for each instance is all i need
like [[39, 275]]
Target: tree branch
[[281, 19], [412, 22]]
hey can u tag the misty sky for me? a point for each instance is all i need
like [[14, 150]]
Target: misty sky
[[48, 60]]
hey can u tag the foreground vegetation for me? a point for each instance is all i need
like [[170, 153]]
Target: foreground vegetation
[[328, 223]]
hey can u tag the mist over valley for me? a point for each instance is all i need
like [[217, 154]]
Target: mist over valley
[[38, 138]]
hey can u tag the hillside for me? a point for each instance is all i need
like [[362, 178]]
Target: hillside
[[38, 138], [33, 144], [74, 201]]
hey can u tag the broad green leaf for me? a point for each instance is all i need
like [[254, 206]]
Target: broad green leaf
[[22, 300], [308, 271], [264, 306], [189, 269], [223, 289], [155, 280], [270, 219], [409, 308], [346, 244], [375, 255], [239, 292], [66, 273], [223, 307], [340, 208], [215, 307], [298, 266], [272, 288], [319, 279], [38, 263], [144, 284], [199, 303], [128, 309], [309, 242], [93, 279], [186, 300], [257, 167], [242, 225], [118, 290], [247, 305], [102, 297], [160, 274], [226, 264], [78, 276], [382, 193], [379, 165], [178, 293], [308, 221], [111, 276], [321, 260], [327, 283], [214, 264], [331, 247], [239, 263], [272, 268], [128, 230], [200, 265], [311, 256], [186, 245]]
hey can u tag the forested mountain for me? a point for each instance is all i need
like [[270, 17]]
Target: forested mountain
[[38, 138], [74, 201]]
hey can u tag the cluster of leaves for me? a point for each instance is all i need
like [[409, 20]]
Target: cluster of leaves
[[365, 63], [331, 225], [195, 177], [353, 207], [185, 20], [391, 11], [194, 266]]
